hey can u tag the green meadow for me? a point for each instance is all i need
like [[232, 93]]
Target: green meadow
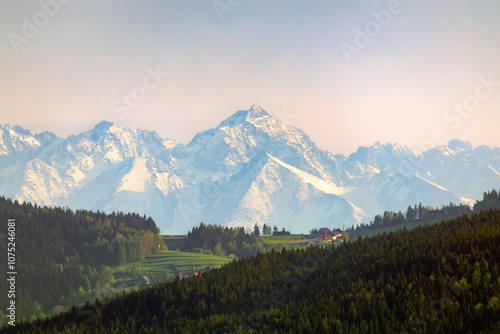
[[164, 263]]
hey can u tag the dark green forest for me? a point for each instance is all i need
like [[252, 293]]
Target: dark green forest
[[61, 254], [443, 278], [491, 199], [223, 240], [416, 213]]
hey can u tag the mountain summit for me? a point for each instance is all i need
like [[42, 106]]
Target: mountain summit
[[242, 116], [252, 168]]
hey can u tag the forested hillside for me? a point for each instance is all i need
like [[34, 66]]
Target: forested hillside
[[491, 199], [414, 214], [223, 240], [419, 215], [60, 253], [443, 278]]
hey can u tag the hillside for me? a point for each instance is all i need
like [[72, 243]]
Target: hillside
[[63, 257], [392, 221], [441, 278]]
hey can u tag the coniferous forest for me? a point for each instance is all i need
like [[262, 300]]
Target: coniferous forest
[[223, 240], [60, 254], [491, 199], [443, 278]]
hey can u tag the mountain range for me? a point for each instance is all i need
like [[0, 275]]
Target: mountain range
[[252, 168]]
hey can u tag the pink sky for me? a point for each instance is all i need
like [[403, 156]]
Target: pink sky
[[89, 57]]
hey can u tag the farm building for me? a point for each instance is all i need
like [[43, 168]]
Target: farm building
[[325, 238]]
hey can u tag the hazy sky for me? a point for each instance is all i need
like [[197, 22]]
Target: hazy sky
[[347, 76]]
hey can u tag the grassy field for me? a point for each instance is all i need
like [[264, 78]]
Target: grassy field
[[282, 239], [410, 225], [179, 242], [164, 263]]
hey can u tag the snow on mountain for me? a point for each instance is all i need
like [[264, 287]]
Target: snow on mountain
[[98, 193], [247, 133], [266, 190], [392, 158], [494, 170], [461, 169], [250, 169], [42, 184], [431, 183], [381, 155], [322, 185], [14, 139], [396, 192], [136, 178]]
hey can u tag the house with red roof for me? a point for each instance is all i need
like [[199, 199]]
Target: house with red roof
[[180, 273], [185, 273], [325, 238], [325, 230], [336, 235]]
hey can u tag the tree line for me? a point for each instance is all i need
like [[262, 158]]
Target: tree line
[[266, 230], [415, 213], [491, 199], [225, 241]]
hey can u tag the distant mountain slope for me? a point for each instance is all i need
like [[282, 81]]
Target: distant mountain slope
[[250, 169]]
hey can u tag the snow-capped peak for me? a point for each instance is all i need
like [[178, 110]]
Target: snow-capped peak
[[98, 132], [256, 112], [103, 126], [14, 138], [380, 155], [456, 145], [256, 108], [242, 116], [45, 137]]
